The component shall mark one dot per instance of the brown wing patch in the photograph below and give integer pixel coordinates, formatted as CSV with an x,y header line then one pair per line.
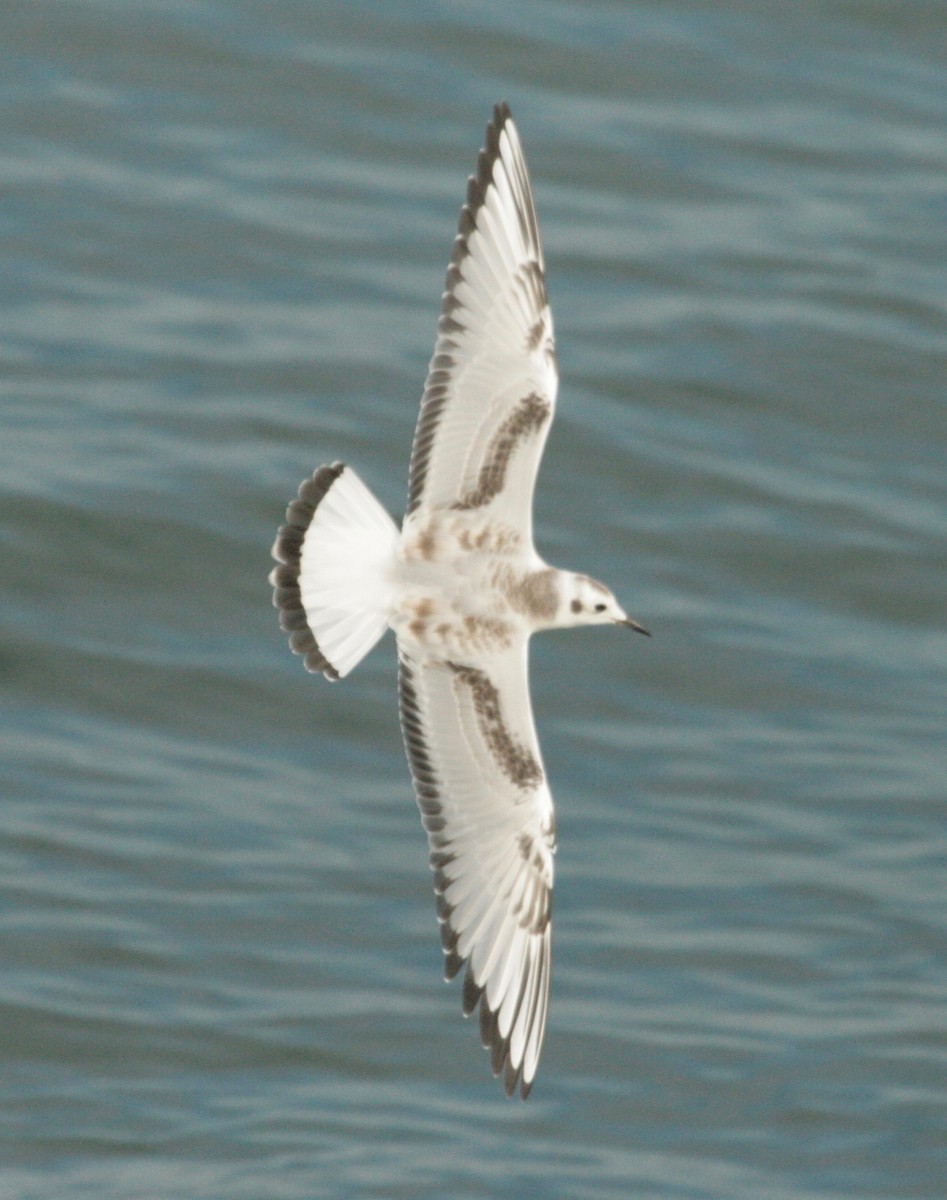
x,y
515,760
442,365
524,421
529,279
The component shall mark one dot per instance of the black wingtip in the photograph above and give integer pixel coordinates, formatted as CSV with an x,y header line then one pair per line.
x,y
471,992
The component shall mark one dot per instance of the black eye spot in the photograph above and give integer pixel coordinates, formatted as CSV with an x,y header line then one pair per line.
x,y
576,606
600,608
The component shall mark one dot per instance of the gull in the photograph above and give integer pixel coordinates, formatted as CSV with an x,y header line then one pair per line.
x,y
463,588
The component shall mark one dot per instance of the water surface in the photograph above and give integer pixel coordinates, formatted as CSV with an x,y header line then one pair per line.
x,y
225,231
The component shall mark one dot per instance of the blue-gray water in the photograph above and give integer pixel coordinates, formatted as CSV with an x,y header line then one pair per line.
x,y
224,234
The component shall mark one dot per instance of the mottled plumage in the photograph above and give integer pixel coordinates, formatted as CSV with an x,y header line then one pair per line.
x,y
463,588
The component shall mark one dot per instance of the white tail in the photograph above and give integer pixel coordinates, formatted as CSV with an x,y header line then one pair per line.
x,y
333,585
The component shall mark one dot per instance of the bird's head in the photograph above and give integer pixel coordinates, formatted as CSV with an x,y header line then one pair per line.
x,y
588,602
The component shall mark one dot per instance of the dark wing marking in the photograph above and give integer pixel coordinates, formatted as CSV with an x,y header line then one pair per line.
x,y
513,758
491,387
526,420
484,802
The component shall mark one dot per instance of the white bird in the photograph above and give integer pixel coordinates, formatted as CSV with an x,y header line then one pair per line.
x,y
463,587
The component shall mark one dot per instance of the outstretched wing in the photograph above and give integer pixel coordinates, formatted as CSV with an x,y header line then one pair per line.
x,y
481,788
491,386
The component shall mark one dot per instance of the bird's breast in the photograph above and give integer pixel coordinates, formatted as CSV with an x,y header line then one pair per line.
x,y
468,587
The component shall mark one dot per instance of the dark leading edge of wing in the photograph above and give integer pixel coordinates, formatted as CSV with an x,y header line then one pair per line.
x,y
438,385
520,946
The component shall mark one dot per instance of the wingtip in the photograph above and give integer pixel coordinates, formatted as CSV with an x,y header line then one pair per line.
x,y
472,992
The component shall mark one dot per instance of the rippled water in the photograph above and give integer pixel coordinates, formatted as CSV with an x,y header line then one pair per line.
x,y
225,231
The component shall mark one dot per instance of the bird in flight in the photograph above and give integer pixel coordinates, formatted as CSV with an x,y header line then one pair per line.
x,y
463,587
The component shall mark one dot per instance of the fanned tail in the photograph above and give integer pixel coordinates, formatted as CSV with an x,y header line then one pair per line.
x,y
333,582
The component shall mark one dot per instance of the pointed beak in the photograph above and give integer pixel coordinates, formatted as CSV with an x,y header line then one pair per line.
x,y
635,626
